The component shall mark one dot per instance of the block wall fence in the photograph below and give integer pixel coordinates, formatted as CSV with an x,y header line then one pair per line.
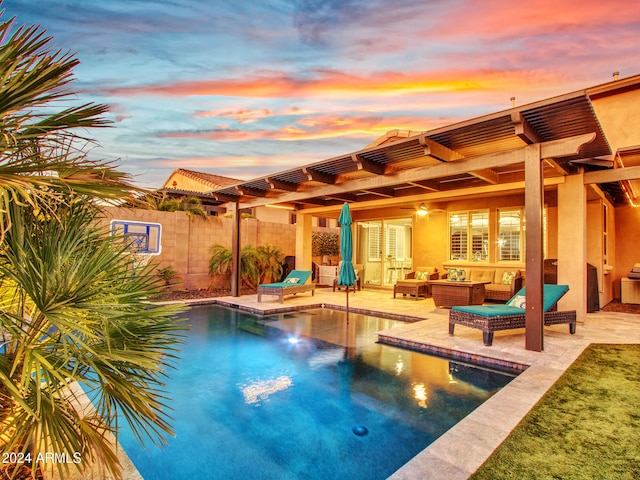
x,y
186,240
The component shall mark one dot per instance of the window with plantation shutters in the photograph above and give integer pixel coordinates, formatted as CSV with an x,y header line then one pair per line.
x,y
394,242
469,236
458,236
375,242
510,235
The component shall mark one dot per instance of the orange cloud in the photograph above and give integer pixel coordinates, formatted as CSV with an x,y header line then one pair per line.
x,y
328,82
241,167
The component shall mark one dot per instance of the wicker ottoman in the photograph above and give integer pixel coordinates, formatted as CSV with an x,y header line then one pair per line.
x,y
413,287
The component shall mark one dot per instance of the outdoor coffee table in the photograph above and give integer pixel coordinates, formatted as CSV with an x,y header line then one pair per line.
x,y
447,293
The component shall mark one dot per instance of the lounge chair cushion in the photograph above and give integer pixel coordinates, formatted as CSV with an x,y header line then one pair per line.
x,y
551,294
275,285
295,278
490,310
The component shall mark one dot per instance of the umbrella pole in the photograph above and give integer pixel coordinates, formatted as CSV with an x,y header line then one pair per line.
x,y
347,289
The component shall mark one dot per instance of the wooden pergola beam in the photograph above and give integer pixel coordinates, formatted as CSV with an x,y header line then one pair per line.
x,y
488,175
556,148
431,185
367,165
316,176
612,175
280,185
556,166
386,192
524,129
437,151
250,192
344,196
223,197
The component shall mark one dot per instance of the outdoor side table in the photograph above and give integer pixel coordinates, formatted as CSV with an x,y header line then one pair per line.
x,y
447,293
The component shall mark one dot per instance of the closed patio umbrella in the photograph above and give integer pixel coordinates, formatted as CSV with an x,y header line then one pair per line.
x,y
346,275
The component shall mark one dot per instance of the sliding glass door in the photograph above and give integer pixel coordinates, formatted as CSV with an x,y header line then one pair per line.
x,y
384,250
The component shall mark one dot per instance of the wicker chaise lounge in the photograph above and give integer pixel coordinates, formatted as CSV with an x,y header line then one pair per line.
x,y
491,318
295,282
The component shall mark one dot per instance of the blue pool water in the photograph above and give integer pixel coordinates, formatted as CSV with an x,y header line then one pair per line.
x,y
304,396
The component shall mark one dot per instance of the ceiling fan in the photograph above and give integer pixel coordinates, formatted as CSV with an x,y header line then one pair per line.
x,y
422,210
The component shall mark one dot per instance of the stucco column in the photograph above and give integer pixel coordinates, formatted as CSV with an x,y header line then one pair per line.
x,y
572,244
303,241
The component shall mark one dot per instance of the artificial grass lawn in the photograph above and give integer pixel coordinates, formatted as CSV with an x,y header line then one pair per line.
x,y
587,426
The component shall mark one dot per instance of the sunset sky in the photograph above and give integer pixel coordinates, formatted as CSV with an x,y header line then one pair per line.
x,y
245,88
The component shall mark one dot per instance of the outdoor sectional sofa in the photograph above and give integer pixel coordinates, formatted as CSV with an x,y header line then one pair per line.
x,y
294,283
491,318
504,282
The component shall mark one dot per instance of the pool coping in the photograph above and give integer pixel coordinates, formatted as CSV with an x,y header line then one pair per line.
x,y
297,308
452,354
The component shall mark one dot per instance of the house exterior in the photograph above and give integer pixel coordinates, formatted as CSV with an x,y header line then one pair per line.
x,y
549,185
185,182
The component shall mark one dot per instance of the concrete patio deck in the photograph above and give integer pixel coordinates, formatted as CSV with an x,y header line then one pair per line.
x,y
461,450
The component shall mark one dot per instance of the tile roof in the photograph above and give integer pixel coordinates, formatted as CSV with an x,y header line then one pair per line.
x,y
209,179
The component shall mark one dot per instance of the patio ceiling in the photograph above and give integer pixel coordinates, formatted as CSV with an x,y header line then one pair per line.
x,y
357,177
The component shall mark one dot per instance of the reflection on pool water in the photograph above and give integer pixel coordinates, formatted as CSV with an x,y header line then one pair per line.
x,y
304,395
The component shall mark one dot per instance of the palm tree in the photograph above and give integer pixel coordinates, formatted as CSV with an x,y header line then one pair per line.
x,y
70,307
154,201
270,263
72,310
220,263
44,149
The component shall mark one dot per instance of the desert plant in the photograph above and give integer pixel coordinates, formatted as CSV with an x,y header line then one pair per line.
x,y
221,259
270,263
168,275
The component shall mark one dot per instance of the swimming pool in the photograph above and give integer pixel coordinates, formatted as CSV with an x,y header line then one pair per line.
x,y
304,395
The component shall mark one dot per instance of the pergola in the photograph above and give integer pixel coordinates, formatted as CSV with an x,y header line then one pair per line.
x,y
558,141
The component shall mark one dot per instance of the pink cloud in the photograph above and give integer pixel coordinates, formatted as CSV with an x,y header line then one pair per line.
x,y
505,18
240,115
314,128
